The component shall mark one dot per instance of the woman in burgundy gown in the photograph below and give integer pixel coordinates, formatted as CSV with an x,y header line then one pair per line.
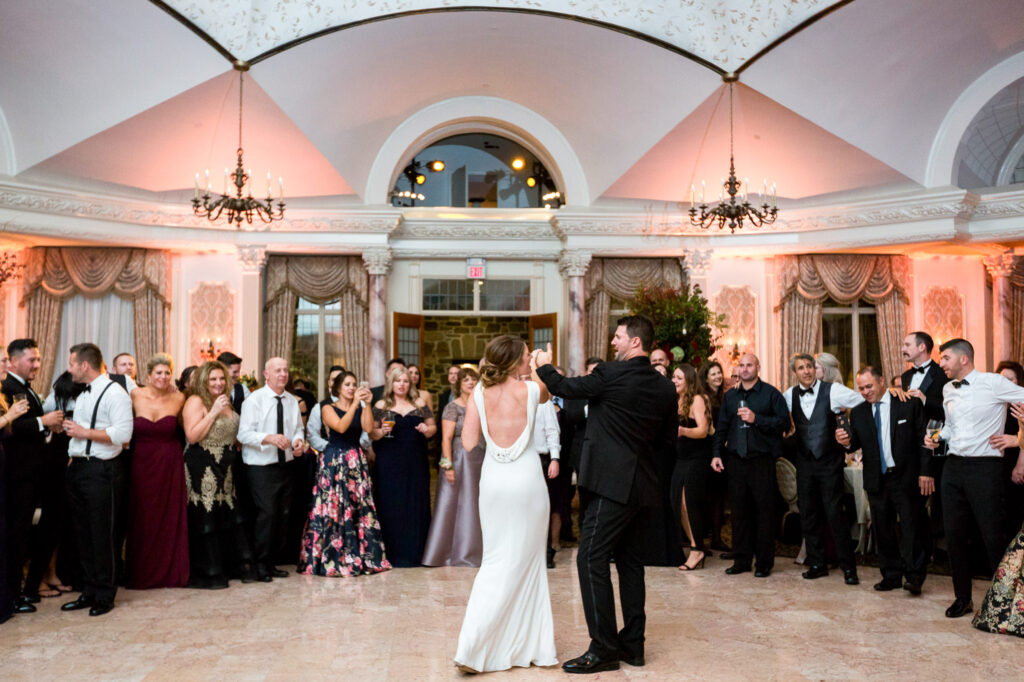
x,y
157,547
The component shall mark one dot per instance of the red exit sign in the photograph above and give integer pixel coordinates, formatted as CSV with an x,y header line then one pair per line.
x,y
476,268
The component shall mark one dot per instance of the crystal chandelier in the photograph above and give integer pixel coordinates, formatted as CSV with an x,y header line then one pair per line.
x,y
732,211
238,208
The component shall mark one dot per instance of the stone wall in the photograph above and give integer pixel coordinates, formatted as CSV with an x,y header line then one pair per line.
x,y
461,339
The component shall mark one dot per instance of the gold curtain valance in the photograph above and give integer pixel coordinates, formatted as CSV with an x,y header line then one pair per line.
x,y
63,272
316,278
844,278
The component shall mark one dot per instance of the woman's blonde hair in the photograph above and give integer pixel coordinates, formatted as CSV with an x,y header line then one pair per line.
x,y
830,367
199,381
502,356
157,360
389,387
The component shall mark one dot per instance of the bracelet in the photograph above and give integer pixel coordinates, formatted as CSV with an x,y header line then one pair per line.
x,y
445,464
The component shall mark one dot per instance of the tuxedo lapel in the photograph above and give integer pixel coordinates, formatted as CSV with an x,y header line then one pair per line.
x,y
927,381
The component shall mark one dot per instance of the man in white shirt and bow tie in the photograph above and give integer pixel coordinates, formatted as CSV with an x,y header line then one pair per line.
x,y
270,431
972,488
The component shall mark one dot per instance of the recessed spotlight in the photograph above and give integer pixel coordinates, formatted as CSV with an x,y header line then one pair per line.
x,y
518,163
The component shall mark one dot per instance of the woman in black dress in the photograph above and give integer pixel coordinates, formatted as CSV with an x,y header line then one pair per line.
x,y
712,385
693,462
402,424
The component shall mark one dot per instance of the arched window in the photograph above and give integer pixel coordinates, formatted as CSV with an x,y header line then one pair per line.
x,y
476,170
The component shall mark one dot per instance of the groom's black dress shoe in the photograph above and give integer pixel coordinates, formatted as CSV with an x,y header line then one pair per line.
x,y
635,660
589,663
82,602
815,572
736,569
959,608
101,607
22,605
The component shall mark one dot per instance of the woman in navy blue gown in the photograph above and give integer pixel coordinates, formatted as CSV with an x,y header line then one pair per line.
x,y
403,423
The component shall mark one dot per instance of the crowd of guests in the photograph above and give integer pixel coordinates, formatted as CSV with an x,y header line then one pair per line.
x,y
153,482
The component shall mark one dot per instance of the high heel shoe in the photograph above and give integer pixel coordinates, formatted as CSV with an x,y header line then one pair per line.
x,y
697,566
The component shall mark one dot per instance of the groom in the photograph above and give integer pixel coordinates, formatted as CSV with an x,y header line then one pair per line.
x,y
632,416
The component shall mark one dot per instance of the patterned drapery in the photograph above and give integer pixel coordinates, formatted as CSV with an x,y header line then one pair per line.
x,y
1017,309
609,278
805,281
54,274
319,279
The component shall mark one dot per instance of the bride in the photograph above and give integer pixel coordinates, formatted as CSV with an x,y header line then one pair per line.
x,y
508,617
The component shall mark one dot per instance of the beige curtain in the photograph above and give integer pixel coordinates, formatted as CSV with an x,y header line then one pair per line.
x,y
1017,309
805,281
609,278
54,274
319,279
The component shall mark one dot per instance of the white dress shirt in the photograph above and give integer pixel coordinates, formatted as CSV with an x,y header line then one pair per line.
x,y
313,425
840,397
976,411
918,377
259,419
114,416
546,432
883,412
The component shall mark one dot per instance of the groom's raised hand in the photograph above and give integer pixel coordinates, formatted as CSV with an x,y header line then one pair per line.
x,y
542,357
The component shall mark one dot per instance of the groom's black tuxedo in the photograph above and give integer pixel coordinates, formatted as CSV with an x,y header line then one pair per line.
x,y
631,417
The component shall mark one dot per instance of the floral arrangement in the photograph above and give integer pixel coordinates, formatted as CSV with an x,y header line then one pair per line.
x,y
684,325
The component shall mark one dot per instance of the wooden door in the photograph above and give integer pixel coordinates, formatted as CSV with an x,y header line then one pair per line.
x,y
544,330
408,336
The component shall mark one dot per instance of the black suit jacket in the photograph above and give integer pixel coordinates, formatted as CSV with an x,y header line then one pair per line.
x,y
573,422
443,398
26,443
906,430
934,379
632,420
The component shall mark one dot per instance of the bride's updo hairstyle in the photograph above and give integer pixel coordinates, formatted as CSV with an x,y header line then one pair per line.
x,y
503,356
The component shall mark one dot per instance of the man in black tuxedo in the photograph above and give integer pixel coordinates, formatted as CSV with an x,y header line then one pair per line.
x,y
24,450
631,417
889,433
239,391
748,440
378,391
925,381
452,392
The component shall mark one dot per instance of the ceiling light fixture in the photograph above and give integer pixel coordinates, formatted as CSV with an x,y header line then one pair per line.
x,y
437,166
518,163
730,211
238,208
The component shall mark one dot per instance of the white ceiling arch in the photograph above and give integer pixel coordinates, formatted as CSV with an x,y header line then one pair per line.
x,y
478,114
8,163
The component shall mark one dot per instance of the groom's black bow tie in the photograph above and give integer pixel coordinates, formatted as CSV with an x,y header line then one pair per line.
x,y
922,369
958,384
804,391
87,389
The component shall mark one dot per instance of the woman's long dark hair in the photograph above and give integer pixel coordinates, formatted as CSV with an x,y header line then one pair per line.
x,y
65,390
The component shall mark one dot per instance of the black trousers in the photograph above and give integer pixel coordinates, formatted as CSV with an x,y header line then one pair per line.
x,y
612,530
819,484
20,481
903,548
271,489
752,490
94,495
972,491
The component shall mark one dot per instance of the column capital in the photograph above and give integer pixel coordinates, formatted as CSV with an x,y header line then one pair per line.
x,y
1000,265
377,261
574,263
252,257
697,261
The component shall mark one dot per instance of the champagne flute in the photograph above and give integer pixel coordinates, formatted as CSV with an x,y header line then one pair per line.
x,y
933,429
743,424
389,421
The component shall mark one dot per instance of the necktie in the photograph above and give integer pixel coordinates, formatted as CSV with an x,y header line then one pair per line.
x,y
878,433
280,427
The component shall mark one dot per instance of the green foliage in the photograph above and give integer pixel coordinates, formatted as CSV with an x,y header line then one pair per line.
x,y
684,325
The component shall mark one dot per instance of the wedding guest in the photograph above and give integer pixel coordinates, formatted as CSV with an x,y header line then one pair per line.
x,y
24,448
712,384
184,381
814,404
217,545
9,596
560,488
748,440
316,431
972,490
659,358
827,368
300,388
156,553
402,488
239,389
451,392
124,364
889,433
693,462
417,381
454,538
342,535
102,424
1012,457
378,391
303,472
271,433
54,558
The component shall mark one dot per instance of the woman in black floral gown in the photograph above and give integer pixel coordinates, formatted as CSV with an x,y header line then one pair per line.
x,y
342,536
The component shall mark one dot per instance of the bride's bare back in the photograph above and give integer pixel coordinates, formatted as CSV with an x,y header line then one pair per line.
x,y
506,411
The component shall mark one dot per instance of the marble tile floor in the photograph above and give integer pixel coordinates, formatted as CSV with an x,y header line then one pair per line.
x,y
404,625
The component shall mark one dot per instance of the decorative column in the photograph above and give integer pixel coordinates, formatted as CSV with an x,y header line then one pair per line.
x,y
1000,268
573,266
378,263
252,258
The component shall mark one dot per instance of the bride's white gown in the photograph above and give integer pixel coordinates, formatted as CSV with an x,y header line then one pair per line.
x,y
508,617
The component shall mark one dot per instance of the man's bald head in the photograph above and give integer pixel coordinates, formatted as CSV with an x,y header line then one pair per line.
x,y
275,372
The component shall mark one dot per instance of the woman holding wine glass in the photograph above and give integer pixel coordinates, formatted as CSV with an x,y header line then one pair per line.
x,y
402,488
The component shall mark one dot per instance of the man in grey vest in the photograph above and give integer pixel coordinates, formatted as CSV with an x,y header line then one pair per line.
x,y
813,406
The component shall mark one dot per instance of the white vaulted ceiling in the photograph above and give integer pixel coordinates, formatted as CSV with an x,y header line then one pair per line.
x,y
121,97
